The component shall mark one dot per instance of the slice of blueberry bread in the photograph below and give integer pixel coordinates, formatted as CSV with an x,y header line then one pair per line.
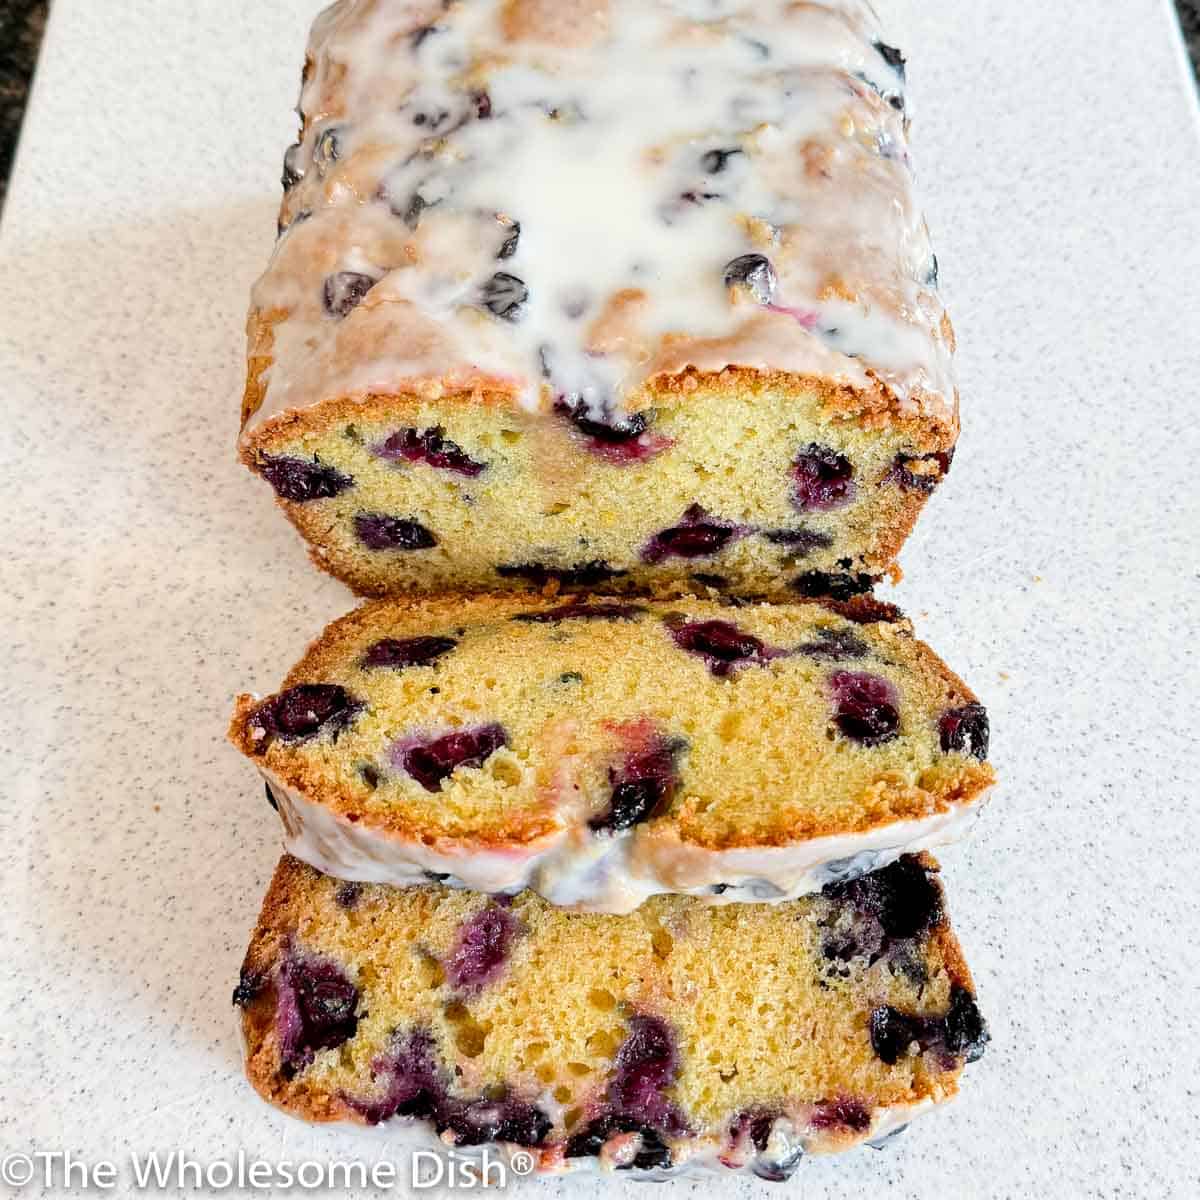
x,y
602,751
743,1036
603,291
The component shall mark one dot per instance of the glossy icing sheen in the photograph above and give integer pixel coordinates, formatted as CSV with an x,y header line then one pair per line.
x,y
608,160
612,873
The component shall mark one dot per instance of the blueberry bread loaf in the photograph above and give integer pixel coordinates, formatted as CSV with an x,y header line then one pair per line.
x,y
742,1037
602,292
601,751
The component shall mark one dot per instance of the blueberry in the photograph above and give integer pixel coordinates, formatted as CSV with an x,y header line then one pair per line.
x,y
902,472
892,57
616,432
249,988
480,1121
317,1006
965,730
715,161
589,1142
293,172
429,446
799,541
644,1068
841,1114
696,536
966,1031
641,787
348,894
398,653
512,239
834,645
754,273
960,1033
891,1033
303,712
834,586
903,897
582,612
822,479
431,762
300,481
344,292
504,296
579,575
865,707
721,644
481,948
413,1082
377,531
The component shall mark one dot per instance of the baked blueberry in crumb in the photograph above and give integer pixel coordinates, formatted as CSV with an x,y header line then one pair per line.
x,y
431,762
775,1165
822,479
411,1082
316,1010
504,296
429,446
844,1113
961,1032
818,585
249,987
620,442
579,575
303,712
481,948
300,481
834,645
641,787
348,894
377,531
722,645
601,611
799,541
653,1153
965,730
754,273
920,473
475,1122
644,1068
902,897
398,653
698,535
865,707
344,292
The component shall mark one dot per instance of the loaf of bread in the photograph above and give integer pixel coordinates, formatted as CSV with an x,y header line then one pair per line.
x,y
602,751
682,1035
619,293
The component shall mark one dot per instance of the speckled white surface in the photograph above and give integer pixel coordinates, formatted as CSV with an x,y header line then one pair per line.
x,y
147,577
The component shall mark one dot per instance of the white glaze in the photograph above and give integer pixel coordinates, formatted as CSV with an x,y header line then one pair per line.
x,y
608,872
625,276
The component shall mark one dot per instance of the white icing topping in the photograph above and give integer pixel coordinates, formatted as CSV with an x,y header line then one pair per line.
x,y
607,872
641,146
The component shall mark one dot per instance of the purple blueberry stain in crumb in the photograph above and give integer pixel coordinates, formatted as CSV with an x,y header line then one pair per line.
x,y
834,645
698,535
843,1113
298,480
600,611
919,473
960,1033
822,479
644,1068
799,542
431,761
776,1155
411,1083
504,296
316,1010
755,274
965,730
642,786
303,712
481,948
429,446
866,707
722,645
378,531
344,291
398,653
820,585
620,442
583,574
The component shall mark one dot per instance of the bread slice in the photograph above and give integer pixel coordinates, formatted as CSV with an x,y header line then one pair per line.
x,y
599,752
741,1036
625,292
